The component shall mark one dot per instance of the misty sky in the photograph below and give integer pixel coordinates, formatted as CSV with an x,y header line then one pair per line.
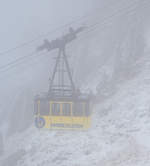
x,y
23,20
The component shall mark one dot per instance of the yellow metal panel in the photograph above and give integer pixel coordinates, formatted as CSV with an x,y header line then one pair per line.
x,y
47,121
65,122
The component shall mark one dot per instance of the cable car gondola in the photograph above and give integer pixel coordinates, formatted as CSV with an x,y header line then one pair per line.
x,y
63,106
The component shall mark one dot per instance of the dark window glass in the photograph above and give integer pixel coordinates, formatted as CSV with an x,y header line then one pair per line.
x,y
66,109
56,109
78,109
36,107
44,108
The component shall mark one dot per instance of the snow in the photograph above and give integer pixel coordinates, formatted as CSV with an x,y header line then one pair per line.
x,y
119,135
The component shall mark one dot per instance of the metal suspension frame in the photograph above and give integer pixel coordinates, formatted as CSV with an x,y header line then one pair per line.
x,y
61,71
60,44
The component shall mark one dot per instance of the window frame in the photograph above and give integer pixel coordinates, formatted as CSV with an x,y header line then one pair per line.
x,y
61,108
70,109
51,108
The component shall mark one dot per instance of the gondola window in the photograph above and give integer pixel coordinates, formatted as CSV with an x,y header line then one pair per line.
x,y
56,109
66,109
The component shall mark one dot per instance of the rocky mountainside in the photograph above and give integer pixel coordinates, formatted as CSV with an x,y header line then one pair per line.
x,y
119,135
113,60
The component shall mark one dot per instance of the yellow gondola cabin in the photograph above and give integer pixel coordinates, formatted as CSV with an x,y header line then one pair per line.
x,y
63,106
62,114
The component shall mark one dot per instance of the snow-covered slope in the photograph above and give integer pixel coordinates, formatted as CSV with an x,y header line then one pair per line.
x,y
119,135
120,131
111,43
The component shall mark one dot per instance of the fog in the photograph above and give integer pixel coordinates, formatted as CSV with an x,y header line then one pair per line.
x,y
22,22
108,59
